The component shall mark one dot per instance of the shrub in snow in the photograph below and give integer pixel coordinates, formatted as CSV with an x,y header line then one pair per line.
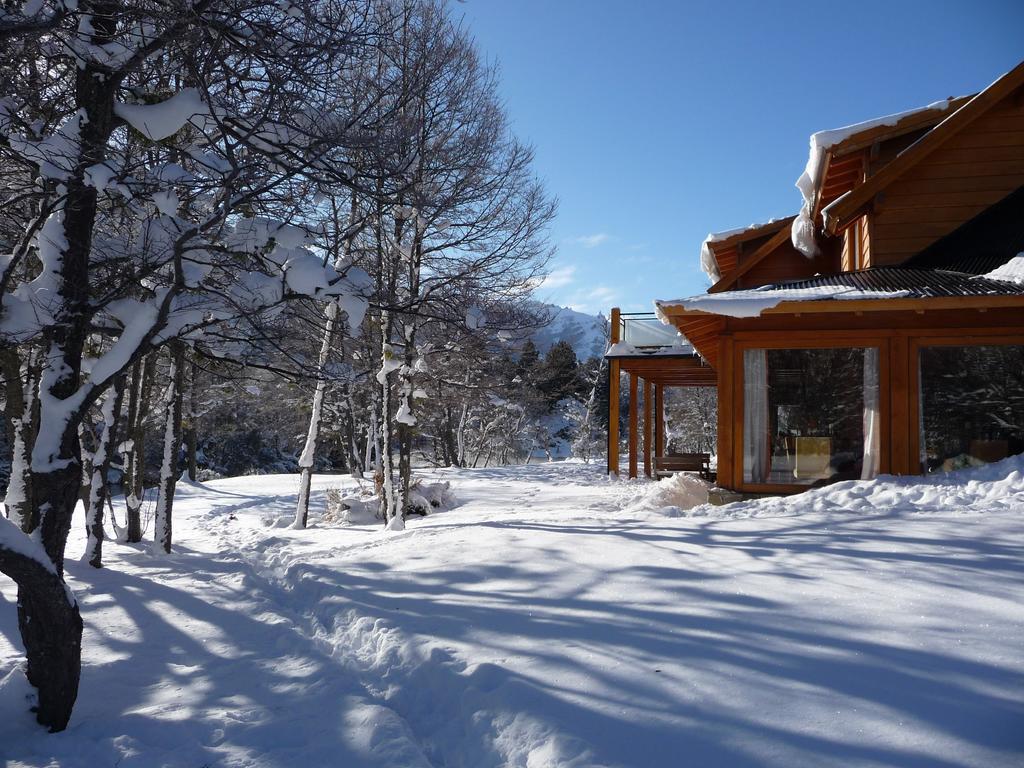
x,y
345,508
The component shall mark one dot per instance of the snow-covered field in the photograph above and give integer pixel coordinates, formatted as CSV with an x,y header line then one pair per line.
x,y
554,618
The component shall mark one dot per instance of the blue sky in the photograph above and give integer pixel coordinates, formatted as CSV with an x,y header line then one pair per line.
x,y
657,121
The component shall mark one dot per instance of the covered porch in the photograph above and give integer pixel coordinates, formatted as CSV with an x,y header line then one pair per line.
x,y
654,357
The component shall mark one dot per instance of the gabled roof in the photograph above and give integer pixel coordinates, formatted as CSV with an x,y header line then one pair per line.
x,y
838,214
766,248
716,244
835,163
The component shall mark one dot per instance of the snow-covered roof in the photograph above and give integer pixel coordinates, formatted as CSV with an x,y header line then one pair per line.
x,y
824,141
708,262
752,302
876,283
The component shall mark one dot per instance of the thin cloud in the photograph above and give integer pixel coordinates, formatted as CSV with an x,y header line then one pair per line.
x,y
591,241
600,298
558,278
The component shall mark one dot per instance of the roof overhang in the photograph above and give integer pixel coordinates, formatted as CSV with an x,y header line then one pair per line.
x,y
823,306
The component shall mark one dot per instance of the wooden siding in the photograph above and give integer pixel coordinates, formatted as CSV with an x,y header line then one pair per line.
x,y
787,263
856,247
972,171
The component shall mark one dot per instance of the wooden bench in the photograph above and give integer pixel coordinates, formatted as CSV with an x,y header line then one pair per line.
x,y
683,462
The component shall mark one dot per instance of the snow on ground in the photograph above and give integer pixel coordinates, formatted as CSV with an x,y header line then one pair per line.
x,y
554,618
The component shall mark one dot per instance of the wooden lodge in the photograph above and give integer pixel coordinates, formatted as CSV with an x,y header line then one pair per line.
x,y
880,330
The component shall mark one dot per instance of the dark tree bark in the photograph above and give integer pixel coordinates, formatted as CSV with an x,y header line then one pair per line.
x,y
22,414
142,382
51,628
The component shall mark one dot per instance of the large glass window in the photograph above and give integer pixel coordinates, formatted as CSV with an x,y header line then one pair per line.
x,y
811,416
972,405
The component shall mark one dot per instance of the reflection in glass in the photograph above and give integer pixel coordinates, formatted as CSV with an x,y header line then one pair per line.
x,y
972,405
811,416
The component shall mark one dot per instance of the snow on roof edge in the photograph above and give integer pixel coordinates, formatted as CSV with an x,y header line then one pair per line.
x,y
708,262
752,302
820,142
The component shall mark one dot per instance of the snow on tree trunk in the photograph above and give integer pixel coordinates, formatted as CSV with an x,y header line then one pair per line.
x,y
172,447
390,510
98,489
460,435
21,408
369,460
134,460
308,456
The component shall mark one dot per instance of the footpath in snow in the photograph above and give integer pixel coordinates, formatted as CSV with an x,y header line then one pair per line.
x,y
553,618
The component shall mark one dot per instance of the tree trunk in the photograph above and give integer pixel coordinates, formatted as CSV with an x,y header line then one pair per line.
x,y
172,447
50,625
390,510
98,488
190,426
308,456
135,459
22,413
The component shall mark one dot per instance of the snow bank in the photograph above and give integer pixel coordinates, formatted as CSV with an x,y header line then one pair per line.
x,y
754,301
989,488
671,496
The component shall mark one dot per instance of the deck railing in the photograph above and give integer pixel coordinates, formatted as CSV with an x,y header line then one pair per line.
x,y
645,330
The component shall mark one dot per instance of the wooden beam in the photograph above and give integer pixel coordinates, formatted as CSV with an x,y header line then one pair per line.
x,y
613,417
613,400
648,425
840,213
632,424
659,420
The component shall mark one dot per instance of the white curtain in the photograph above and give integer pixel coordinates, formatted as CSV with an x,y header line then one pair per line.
x,y
872,415
755,416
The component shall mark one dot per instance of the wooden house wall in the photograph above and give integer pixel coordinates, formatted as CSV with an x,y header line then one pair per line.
x,y
972,171
787,263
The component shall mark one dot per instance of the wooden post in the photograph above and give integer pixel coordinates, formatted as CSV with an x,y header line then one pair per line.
x,y
659,422
613,399
903,405
726,419
632,424
648,425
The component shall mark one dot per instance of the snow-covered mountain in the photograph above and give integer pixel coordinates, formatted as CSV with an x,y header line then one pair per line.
x,y
586,333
